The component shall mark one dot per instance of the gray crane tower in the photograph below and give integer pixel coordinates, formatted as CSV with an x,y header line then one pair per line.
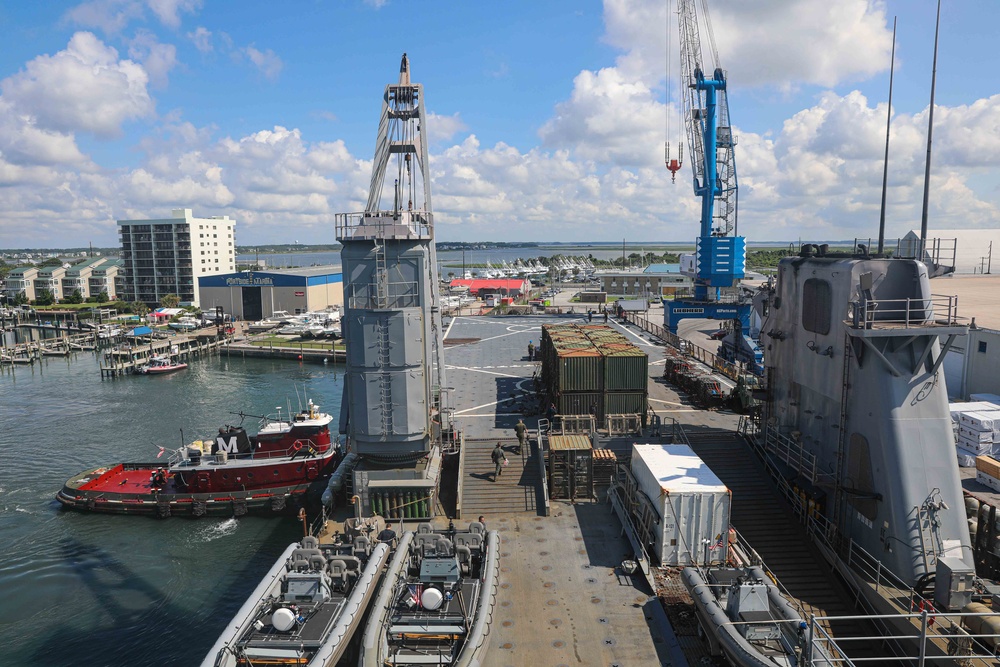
x,y
394,410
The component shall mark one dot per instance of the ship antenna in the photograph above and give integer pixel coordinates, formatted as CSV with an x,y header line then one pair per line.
x,y
930,133
888,122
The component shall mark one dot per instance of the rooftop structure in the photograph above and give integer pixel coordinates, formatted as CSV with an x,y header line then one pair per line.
x,y
167,256
255,295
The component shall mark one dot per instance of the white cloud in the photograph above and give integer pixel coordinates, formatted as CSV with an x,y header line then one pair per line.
x,y
110,16
267,61
157,58
767,42
444,128
202,38
83,88
608,118
376,4
168,11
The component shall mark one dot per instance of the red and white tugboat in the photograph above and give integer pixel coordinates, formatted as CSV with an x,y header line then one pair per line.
x,y
231,476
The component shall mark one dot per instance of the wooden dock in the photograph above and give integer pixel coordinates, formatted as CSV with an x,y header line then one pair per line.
x,y
128,358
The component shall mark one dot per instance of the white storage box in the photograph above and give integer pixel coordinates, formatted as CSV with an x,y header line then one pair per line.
x,y
966,459
977,447
969,433
981,421
693,504
977,406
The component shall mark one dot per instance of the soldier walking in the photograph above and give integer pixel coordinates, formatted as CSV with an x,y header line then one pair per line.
x,y
531,350
521,430
498,458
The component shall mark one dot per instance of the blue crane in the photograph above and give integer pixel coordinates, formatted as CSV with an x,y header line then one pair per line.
x,y
719,260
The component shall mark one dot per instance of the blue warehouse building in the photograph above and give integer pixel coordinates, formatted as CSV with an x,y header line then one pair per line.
x,y
255,295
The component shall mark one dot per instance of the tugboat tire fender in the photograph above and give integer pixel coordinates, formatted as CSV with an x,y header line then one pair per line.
x,y
239,507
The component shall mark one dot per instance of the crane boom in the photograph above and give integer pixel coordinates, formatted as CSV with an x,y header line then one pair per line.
x,y
720,256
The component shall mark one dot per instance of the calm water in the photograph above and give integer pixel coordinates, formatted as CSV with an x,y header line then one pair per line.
x,y
81,589
451,260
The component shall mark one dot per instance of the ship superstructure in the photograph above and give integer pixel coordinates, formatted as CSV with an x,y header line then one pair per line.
x,y
394,410
858,405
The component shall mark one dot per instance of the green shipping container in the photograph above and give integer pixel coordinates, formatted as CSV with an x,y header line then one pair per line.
x,y
625,403
579,403
581,370
625,369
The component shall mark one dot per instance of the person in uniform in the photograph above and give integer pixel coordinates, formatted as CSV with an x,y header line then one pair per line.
x,y
497,456
521,431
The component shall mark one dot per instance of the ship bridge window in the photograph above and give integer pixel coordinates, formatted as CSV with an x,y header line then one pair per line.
x,y
860,483
817,306
982,346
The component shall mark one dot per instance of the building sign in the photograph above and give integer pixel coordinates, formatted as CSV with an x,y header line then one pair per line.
x,y
249,281
688,311
300,294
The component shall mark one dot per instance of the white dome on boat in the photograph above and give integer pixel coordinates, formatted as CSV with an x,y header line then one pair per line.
x,y
283,620
431,599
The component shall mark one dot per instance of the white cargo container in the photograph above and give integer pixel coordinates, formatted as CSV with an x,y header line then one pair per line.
x,y
980,421
978,406
693,504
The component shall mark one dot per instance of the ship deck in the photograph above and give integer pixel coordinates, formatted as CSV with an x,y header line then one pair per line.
x,y
563,598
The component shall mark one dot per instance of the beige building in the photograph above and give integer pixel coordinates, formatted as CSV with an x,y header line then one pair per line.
x,y
21,280
255,295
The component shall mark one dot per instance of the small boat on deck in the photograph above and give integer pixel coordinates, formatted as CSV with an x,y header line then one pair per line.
x,y
435,604
309,605
229,476
746,619
161,365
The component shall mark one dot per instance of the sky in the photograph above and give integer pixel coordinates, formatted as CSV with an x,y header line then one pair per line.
x,y
547,120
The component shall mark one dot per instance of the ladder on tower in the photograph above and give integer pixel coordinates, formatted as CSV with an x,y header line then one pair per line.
x,y
381,275
384,377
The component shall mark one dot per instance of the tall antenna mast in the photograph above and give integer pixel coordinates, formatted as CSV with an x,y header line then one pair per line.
x,y
930,133
885,162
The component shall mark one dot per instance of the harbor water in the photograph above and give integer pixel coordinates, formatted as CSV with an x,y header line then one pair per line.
x,y
91,589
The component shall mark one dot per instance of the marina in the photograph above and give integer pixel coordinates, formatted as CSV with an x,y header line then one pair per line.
x,y
363,463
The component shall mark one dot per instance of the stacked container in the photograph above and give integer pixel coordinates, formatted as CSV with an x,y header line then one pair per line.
x,y
592,369
977,430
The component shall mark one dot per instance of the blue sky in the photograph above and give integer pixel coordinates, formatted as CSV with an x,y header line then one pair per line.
x,y
548,117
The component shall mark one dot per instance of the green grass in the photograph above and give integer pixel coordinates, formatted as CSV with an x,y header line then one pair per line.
x,y
74,306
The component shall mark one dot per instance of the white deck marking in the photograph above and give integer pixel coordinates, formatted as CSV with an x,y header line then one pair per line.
x,y
483,340
641,340
480,370
450,325
486,405
658,400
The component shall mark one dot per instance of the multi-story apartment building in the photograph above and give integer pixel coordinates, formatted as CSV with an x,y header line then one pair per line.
x,y
78,277
21,280
161,257
102,278
50,278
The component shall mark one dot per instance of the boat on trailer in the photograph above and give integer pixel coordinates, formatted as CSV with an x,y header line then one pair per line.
x,y
435,604
229,476
309,605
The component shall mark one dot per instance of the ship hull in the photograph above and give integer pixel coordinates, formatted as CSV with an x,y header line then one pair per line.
x,y
126,489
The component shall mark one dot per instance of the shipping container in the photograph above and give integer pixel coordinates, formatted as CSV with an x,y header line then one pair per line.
x,y
693,504
625,403
625,368
580,403
579,370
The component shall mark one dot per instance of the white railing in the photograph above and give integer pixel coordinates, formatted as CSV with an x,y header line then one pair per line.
x,y
906,313
384,225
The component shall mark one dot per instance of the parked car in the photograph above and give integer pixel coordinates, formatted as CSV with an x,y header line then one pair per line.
x,y
719,335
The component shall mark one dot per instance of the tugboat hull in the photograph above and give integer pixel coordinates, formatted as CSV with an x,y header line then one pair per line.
x,y
276,500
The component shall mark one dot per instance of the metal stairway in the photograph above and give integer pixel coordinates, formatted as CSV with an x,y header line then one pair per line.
x,y
516,490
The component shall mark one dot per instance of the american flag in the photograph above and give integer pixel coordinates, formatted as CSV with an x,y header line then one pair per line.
x,y
719,542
